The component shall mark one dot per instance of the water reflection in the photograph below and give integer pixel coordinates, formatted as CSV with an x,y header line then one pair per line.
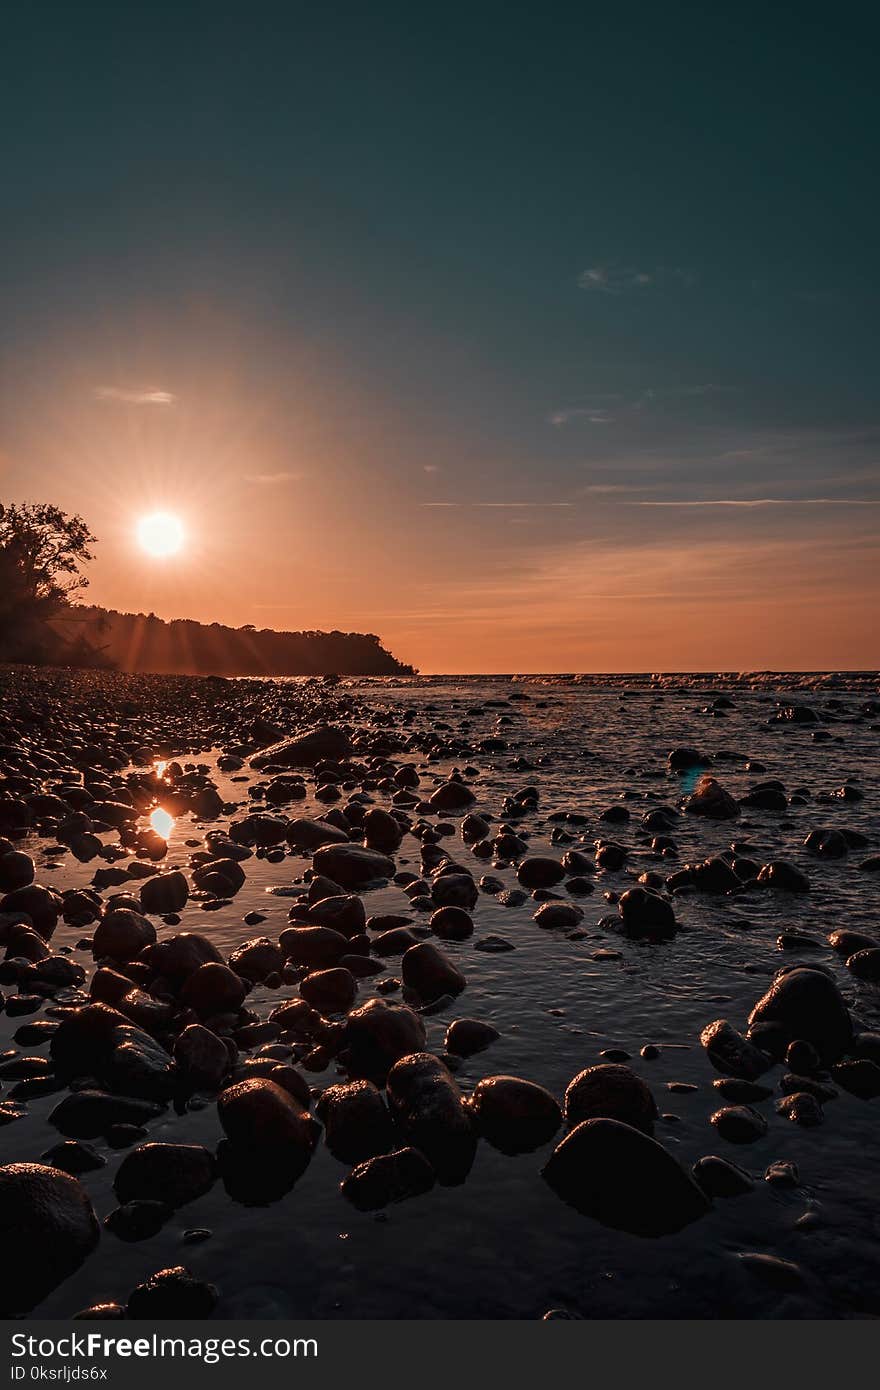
x,y
162,822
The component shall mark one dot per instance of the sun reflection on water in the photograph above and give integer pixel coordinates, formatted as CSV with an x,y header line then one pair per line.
x,y
162,822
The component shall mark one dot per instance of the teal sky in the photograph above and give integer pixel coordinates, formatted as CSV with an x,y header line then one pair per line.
x,y
530,337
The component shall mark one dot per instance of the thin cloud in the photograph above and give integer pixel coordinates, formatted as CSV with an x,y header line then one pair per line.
x,y
595,417
616,279
271,479
510,505
430,468
131,397
768,502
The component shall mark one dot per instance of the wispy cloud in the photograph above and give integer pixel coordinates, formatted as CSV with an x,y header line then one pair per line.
x,y
272,479
430,468
617,279
594,415
506,505
127,396
767,502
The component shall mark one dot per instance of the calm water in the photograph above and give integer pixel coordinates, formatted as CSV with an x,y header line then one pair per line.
x,y
503,1245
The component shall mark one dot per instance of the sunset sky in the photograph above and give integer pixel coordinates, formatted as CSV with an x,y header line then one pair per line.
x,y
528,337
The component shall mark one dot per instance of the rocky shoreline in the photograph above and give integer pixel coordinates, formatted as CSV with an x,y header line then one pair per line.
x,y
327,1026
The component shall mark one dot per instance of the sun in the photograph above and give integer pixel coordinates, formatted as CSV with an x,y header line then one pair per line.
x,y
160,534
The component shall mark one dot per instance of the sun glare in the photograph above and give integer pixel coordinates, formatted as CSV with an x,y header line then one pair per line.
x,y
160,534
162,822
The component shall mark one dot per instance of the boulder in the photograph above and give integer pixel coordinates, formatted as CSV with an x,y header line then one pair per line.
x,y
357,1125
429,1107
325,742
121,935
514,1115
806,1003
430,973
171,1173
172,1294
376,1035
47,1228
388,1178
710,799
258,1114
612,1091
164,893
352,866
731,1053
645,914
624,1179
540,871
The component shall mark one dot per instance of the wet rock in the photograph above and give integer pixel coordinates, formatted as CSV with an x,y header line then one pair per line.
x,y
515,1116
257,958
718,1178
377,1035
16,870
430,973
134,1221
357,1125
307,834
179,956
803,1058
258,1114
41,905
739,1124
164,893
454,890
539,871
686,759
324,742
74,1157
782,1173
382,830
806,1003
865,964
429,1107
47,1228
332,991
452,797
559,915
171,1173
783,877
801,1108
731,1053
352,866
710,799
388,1178
791,1083
860,1077
84,1040
494,944
610,1091
624,1179
89,1114
846,943
342,912
314,946
213,989
202,1058
394,942
452,923
137,1065
779,1274
121,935
173,1294
467,1036
645,914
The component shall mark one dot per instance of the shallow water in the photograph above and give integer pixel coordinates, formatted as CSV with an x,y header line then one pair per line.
x,y
502,1244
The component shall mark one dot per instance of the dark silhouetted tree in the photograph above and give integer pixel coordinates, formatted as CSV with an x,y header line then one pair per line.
x,y
42,550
